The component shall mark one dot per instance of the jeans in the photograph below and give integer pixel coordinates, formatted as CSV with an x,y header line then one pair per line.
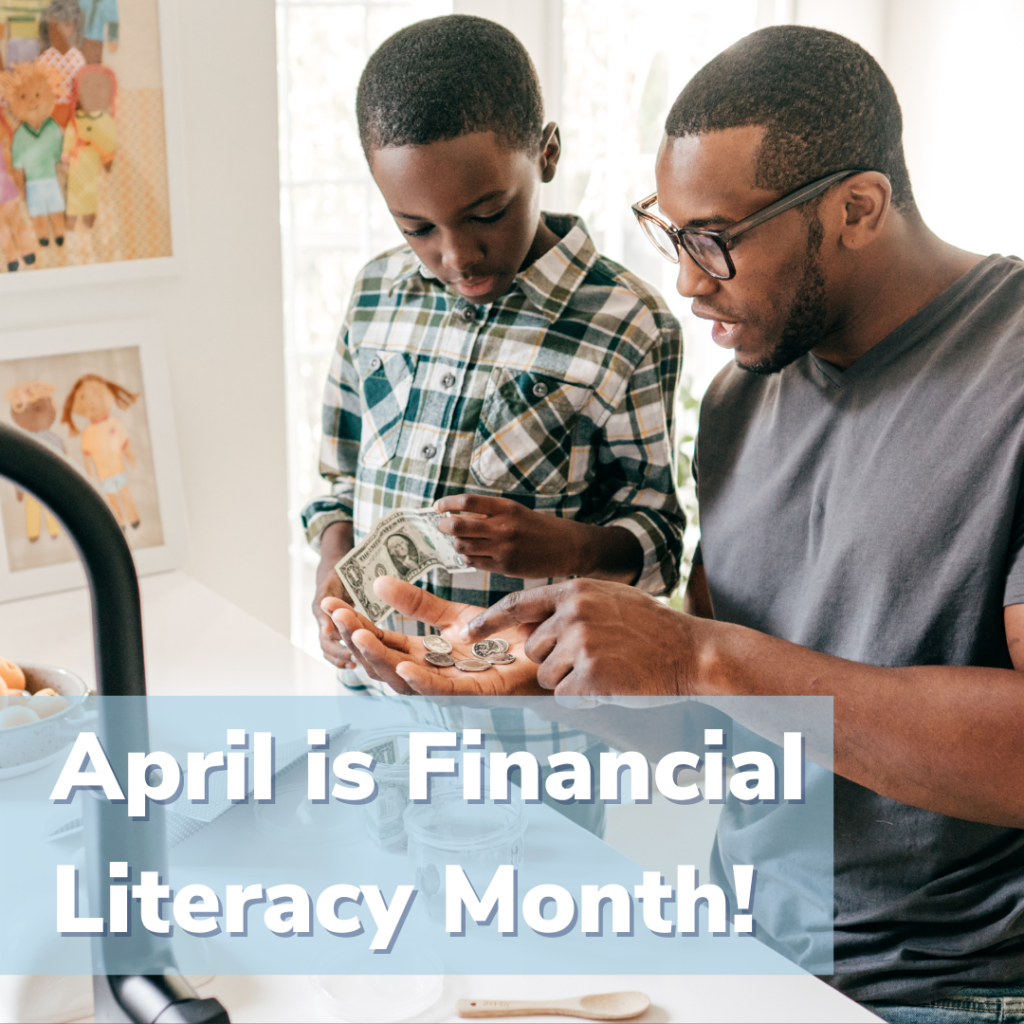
x,y
999,1005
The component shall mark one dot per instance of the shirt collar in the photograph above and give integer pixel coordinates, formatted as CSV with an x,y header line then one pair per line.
x,y
548,283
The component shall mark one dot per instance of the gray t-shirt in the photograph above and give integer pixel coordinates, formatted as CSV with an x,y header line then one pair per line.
x,y
877,514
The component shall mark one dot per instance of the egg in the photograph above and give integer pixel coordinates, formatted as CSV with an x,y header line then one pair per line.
x,y
44,706
12,716
49,691
12,676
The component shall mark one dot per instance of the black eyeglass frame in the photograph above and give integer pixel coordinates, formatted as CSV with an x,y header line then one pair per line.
x,y
725,237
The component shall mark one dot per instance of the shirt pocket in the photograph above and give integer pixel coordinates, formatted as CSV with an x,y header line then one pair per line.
x,y
524,439
386,385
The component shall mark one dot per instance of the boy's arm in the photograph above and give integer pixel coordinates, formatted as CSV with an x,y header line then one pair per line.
x,y
635,537
327,520
636,485
500,535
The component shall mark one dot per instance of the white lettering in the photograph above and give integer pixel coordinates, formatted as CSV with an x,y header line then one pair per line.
x,y
575,784
196,899
87,748
387,919
460,896
139,789
612,765
353,768
422,765
67,904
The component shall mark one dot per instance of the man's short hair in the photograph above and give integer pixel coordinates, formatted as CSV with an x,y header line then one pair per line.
x,y
824,100
447,76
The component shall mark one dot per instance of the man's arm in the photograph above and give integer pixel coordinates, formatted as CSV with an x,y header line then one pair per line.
x,y
697,599
942,738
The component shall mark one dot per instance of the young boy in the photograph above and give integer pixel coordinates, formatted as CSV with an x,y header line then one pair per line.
x,y
496,364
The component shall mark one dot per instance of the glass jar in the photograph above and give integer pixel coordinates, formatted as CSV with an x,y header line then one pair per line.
x,y
479,837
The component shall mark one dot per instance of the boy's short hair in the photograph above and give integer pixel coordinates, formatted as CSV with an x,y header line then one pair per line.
x,y
444,77
824,101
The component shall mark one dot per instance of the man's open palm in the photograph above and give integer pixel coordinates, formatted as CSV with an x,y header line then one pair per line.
x,y
400,660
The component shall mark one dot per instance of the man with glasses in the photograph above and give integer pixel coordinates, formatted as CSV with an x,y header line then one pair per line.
x,y
860,472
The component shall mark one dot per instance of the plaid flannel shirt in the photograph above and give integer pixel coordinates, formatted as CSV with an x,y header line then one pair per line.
x,y
559,394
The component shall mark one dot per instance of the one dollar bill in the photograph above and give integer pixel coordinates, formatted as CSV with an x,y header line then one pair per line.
x,y
405,544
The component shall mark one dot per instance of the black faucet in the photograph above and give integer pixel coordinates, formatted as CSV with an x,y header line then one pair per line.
x,y
165,998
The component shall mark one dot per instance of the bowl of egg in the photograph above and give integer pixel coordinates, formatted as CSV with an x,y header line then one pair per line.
x,y
41,713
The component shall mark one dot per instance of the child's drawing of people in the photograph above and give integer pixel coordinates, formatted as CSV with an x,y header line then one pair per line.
x,y
105,443
15,237
101,22
89,140
62,28
33,410
30,91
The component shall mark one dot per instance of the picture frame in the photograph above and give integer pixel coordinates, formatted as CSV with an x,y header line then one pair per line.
x,y
100,392
161,18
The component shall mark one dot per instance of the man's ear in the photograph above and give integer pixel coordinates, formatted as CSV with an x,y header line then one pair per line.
x,y
551,150
866,199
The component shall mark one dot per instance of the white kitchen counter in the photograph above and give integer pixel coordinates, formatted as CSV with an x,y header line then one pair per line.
x,y
198,643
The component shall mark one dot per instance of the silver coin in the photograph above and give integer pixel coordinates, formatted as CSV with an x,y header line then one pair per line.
x,y
440,659
485,648
501,659
502,645
472,665
437,644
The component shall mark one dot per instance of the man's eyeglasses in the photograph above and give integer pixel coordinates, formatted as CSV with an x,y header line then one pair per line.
x,y
710,249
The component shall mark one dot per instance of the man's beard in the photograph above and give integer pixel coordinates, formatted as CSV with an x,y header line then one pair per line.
x,y
805,322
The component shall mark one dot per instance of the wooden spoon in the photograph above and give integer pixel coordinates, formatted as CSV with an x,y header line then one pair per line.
x,y
607,1006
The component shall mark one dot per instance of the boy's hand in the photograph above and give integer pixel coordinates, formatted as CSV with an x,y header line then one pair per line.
x,y
500,535
335,543
401,660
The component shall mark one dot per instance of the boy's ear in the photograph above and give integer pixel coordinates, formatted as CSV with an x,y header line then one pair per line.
x,y
551,150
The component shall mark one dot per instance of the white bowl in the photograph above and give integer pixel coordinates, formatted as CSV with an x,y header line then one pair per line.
x,y
24,748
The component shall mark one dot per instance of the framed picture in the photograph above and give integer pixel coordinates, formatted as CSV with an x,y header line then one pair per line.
x,y
85,181
98,395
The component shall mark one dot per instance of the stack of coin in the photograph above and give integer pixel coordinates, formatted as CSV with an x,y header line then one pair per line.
x,y
438,651
486,653
494,652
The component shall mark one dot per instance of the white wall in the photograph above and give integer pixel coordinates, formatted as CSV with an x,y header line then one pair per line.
x,y
221,308
865,21
955,67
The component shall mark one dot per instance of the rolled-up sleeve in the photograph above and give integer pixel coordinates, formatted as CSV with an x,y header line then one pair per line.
x,y
636,461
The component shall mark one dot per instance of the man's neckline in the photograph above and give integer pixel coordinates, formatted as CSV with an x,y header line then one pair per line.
x,y
906,334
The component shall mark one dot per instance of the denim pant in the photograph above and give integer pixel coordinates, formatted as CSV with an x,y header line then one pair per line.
x,y
1001,1005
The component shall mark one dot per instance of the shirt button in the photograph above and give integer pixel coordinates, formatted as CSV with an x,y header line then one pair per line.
x,y
540,389
429,451
375,363
447,380
469,313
